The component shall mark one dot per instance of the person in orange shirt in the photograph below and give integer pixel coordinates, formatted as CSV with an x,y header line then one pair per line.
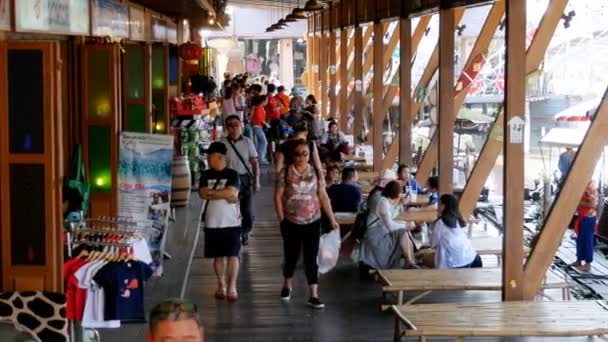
x,y
258,122
283,100
585,227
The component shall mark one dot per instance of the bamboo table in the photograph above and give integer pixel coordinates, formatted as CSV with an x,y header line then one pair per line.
x,y
357,159
505,319
421,216
468,279
368,176
492,246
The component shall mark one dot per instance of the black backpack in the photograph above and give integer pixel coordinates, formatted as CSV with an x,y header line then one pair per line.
x,y
360,226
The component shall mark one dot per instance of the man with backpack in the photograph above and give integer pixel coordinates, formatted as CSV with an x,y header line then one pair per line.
x,y
243,158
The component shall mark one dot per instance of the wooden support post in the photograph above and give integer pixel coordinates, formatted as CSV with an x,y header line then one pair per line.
x,y
493,145
343,93
556,223
378,114
358,90
309,58
515,106
323,67
391,92
446,100
481,46
405,84
332,62
316,59
367,35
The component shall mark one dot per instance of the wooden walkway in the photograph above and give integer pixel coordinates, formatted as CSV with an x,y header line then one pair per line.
x,y
352,310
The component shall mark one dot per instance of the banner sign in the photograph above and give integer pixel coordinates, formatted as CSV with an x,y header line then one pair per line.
x,y
144,186
159,30
5,15
110,19
137,18
52,16
171,33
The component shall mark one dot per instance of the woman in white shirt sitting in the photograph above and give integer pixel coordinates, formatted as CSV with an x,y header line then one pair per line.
x,y
387,240
453,248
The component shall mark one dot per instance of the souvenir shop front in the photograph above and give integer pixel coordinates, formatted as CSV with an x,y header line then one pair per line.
x,y
84,94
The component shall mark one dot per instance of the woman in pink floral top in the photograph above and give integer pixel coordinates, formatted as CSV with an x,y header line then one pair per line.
x,y
299,197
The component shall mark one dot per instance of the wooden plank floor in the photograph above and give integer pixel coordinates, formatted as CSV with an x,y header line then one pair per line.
x,y
353,306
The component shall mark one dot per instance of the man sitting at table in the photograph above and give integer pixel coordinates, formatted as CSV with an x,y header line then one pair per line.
x,y
346,196
432,186
407,179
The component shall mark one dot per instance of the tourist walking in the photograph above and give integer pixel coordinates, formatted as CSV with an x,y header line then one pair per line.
x,y
299,198
243,158
221,220
258,123
585,227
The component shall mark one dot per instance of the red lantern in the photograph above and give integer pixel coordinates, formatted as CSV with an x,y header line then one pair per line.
x,y
190,53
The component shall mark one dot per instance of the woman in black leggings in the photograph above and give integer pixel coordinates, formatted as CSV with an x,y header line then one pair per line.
x,y
299,197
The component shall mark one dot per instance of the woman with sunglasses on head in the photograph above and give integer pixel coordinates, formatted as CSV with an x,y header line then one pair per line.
x,y
299,197
453,249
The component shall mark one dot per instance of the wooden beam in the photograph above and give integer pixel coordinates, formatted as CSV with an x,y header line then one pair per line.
x,y
358,89
367,36
424,81
566,202
493,145
481,46
405,85
446,101
379,114
323,67
316,59
332,62
513,144
343,93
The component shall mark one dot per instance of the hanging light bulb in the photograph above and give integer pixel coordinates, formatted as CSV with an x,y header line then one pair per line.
x,y
312,6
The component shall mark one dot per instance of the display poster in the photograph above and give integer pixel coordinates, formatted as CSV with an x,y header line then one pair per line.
x,y
110,19
79,16
144,186
159,30
52,16
5,14
32,15
137,18
171,33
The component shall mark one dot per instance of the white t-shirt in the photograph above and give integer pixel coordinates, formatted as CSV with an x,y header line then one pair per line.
x,y
452,245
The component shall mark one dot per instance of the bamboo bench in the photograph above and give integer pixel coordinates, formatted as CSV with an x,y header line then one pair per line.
x,y
471,279
506,319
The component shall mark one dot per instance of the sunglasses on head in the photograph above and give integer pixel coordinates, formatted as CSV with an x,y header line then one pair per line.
x,y
170,307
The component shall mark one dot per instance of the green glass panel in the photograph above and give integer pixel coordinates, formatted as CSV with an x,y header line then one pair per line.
x,y
98,78
158,100
135,72
99,158
136,118
158,68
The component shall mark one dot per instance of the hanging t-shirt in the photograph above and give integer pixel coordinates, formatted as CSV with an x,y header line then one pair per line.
x,y
94,292
123,284
72,292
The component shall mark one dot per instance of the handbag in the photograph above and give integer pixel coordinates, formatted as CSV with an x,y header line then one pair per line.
x,y
77,181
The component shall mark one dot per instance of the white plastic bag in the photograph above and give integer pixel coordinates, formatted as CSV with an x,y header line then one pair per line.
x,y
329,251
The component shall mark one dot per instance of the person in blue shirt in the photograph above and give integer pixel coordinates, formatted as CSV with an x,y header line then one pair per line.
x,y
406,178
346,196
433,189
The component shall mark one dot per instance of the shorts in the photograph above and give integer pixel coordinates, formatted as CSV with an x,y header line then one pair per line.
x,y
222,242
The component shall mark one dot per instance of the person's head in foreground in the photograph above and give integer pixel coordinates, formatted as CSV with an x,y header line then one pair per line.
x,y
175,320
433,184
216,156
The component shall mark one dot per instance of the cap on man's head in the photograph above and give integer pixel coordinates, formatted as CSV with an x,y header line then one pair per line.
x,y
217,147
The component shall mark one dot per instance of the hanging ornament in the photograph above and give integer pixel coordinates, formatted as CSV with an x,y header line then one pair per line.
x,y
190,53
